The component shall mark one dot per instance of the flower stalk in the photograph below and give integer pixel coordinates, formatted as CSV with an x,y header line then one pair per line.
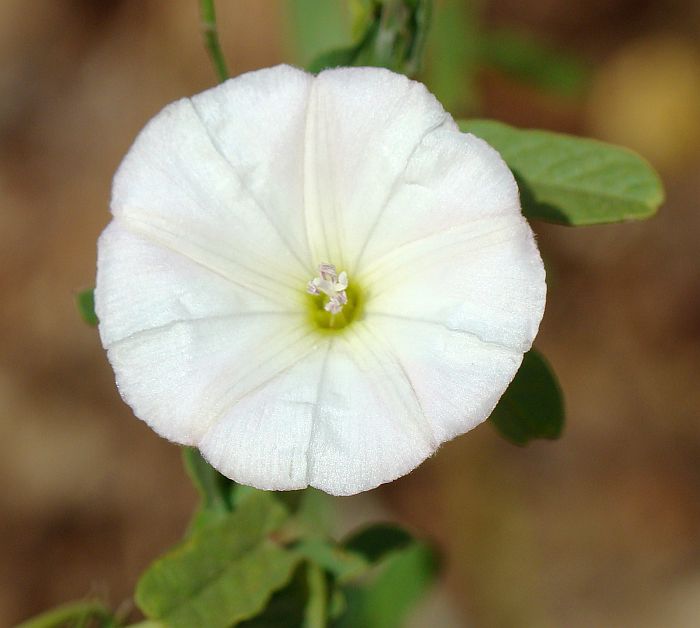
x,y
210,32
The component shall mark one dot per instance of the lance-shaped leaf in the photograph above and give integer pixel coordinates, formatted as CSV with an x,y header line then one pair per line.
x,y
532,406
570,180
224,573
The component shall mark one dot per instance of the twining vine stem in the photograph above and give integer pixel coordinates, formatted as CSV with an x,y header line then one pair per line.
x,y
210,33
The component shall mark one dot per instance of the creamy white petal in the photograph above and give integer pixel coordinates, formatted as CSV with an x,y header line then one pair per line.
x,y
363,125
262,439
178,187
454,248
142,285
258,123
451,180
183,377
456,377
343,419
369,427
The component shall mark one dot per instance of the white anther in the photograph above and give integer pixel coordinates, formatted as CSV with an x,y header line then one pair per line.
x,y
333,285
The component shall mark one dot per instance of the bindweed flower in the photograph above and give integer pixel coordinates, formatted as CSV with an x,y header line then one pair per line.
x,y
316,280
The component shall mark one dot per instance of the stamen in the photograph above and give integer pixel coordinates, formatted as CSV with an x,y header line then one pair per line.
x,y
332,285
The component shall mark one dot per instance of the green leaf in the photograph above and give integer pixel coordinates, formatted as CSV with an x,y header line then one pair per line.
x,y
85,302
71,615
387,601
287,607
570,180
224,573
523,57
378,540
532,406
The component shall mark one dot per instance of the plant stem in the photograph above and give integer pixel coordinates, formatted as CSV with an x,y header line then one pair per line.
x,y
211,38
76,611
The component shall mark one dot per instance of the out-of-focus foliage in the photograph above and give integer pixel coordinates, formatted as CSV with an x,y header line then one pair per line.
x,y
389,34
533,406
573,181
523,57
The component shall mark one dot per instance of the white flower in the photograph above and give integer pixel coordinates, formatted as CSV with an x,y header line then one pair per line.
x,y
315,279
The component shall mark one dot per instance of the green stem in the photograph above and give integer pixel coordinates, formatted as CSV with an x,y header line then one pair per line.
x,y
75,612
210,33
316,610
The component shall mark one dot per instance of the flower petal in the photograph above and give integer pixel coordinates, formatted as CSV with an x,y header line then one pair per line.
x,y
454,249
456,377
363,125
198,185
181,378
142,286
368,426
181,338
344,419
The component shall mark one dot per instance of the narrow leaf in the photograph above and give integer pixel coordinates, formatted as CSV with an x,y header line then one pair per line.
x,y
224,573
570,180
533,406
85,302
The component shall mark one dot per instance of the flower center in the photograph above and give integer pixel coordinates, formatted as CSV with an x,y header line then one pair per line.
x,y
334,302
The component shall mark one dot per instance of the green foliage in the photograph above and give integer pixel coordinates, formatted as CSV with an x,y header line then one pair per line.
x,y
389,598
224,573
81,614
525,58
374,542
533,406
85,302
342,564
215,490
452,55
392,35
570,180
314,27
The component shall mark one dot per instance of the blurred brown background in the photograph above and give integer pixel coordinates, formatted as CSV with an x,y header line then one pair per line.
x,y
599,529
